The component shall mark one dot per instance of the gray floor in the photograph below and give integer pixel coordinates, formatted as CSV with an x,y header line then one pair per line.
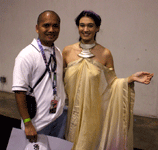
x,y
145,133
145,129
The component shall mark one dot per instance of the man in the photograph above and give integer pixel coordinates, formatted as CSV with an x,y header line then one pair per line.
x,y
30,64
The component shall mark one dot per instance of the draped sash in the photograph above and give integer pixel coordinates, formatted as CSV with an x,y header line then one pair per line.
x,y
100,112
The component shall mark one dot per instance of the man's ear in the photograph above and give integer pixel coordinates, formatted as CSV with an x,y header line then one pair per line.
x,y
37,28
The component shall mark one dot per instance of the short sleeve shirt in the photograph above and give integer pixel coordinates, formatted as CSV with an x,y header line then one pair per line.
x,y
29,67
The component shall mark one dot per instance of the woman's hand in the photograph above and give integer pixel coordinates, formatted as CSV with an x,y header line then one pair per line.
x,y
141,77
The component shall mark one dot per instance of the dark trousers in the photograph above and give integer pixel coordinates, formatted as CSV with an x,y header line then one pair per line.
x,y
57,127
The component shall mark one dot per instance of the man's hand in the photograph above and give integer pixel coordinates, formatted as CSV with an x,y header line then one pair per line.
x,y
30,132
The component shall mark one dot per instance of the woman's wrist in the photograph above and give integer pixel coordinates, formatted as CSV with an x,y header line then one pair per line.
x,y
131,78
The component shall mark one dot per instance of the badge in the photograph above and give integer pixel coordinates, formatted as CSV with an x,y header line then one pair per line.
x,y
53,105
36,147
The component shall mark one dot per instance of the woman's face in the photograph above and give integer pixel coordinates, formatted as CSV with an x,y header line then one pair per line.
x,y
87,30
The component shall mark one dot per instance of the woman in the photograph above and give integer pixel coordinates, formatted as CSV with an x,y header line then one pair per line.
x,y
100,109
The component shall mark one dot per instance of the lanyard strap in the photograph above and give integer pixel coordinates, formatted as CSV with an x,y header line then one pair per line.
x,y
54,84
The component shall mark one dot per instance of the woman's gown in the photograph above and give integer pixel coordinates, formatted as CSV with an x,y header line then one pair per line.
x,y
100,110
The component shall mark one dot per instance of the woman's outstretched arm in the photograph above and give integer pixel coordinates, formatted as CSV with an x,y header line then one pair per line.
x,y
141,77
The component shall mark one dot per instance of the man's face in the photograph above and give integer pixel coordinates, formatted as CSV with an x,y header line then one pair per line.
x,y
48,29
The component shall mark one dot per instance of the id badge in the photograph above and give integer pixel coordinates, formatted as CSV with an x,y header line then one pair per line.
x,y
53,104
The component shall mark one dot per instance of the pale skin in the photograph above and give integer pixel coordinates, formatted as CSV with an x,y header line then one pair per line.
x,y
48,30
87,30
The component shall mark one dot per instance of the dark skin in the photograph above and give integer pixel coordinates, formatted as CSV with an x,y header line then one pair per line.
x,y
30,131
48,29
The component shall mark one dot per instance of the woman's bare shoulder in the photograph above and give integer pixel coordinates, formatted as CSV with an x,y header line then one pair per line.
x,y
105,51
104,56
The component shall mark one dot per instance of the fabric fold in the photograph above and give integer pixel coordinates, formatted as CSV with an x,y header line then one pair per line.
x,y
100,108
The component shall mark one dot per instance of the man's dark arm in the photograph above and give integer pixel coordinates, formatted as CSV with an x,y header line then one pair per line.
x,y
30,131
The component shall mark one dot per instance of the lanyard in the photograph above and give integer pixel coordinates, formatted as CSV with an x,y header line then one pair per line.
x,y
54,84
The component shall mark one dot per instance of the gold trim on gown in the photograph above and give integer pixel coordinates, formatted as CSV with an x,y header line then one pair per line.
x,y
100,110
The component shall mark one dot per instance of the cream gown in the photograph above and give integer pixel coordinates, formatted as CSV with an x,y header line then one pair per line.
x,y
100,112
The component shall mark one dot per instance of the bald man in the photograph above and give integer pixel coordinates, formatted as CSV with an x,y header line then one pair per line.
x,y
30,64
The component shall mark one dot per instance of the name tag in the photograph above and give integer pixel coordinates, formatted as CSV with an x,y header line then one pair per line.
x,y
53,105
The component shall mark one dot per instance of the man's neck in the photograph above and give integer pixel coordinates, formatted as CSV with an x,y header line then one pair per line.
x,y
48,44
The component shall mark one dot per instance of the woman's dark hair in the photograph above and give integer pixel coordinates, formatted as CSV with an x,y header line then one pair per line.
x,y
91,14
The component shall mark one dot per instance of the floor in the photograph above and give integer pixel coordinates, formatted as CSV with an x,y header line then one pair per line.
x,y
145,133
145,129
